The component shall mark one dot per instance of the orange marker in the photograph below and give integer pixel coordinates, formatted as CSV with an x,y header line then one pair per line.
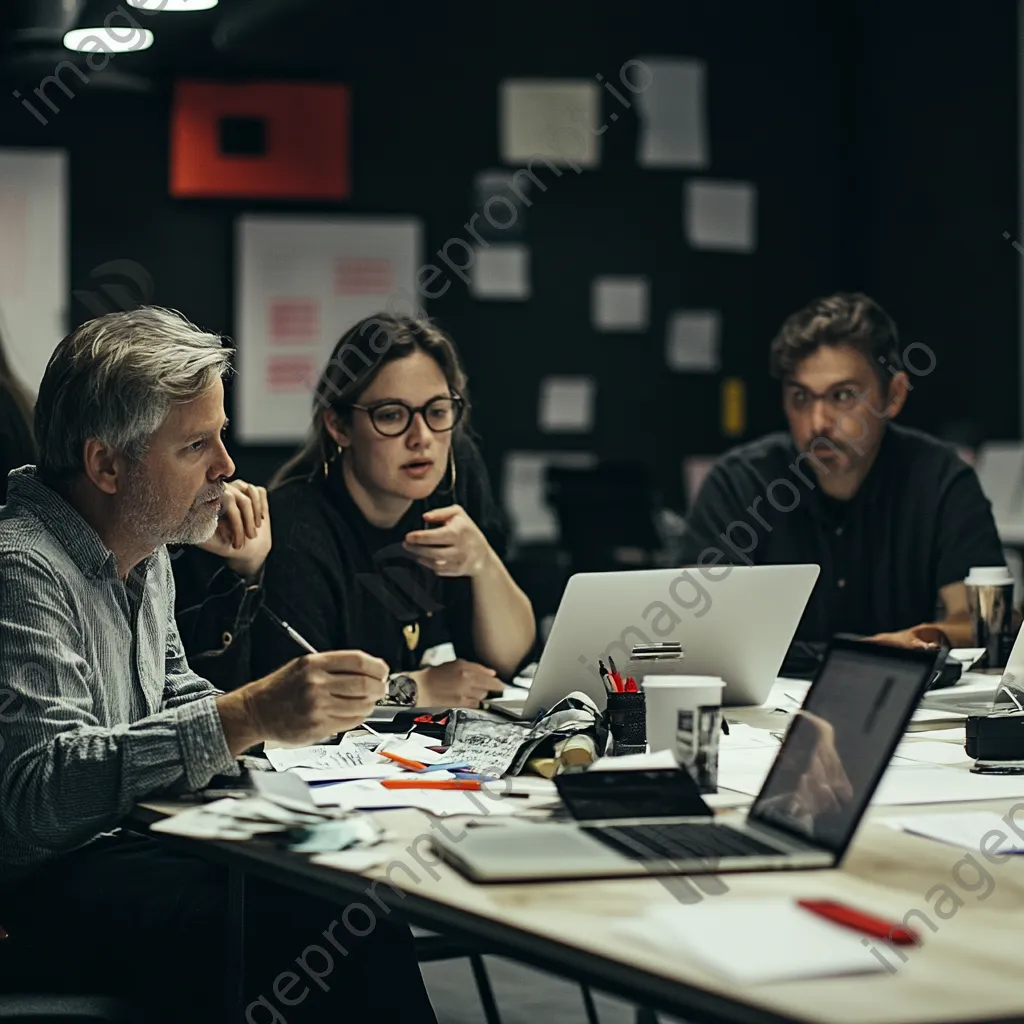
x,y
416,766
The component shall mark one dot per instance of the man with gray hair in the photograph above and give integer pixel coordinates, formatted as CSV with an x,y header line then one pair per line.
x,y
101,708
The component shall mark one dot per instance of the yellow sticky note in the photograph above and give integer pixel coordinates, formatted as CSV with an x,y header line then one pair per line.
x,y
734,407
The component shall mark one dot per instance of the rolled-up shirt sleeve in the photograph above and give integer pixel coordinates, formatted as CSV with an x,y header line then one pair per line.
x,y
64,775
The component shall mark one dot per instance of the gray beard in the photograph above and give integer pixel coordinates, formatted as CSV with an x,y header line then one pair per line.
x,y
143,514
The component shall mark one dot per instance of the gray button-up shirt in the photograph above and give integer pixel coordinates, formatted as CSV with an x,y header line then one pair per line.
x,y
98,706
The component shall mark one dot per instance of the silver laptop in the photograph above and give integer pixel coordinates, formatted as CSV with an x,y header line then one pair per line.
x,y
827,770
737,626
1006,692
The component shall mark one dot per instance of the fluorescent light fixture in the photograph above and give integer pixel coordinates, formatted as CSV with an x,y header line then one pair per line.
x,y
116,39
173,5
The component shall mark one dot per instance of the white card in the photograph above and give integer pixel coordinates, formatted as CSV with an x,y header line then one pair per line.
x,y
721,215
566,405
672,115
553,120
620,303
500,272
692,341
734,938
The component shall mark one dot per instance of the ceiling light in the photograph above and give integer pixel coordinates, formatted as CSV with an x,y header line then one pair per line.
x,y
155,6
117,39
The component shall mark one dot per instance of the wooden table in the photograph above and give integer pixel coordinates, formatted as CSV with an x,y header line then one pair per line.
x,y
968,969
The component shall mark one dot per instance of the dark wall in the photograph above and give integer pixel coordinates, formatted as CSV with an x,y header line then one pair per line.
x,y
883,147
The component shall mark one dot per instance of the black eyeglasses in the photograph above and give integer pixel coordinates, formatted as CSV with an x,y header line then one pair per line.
x,y
393,418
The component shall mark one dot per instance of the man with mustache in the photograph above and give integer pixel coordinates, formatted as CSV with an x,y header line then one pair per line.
x,y
894,517
101,708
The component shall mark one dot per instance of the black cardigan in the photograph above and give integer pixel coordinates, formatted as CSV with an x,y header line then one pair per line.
x,y
214,609
344,584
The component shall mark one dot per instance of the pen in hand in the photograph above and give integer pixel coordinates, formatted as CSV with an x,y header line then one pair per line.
x,y
308,648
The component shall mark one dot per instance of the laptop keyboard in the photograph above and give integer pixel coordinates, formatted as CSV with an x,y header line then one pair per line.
x,y
677,841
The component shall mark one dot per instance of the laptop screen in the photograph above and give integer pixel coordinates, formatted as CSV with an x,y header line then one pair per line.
x,y
839,744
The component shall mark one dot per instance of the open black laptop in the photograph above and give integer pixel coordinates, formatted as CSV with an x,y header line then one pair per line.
x,y
834,754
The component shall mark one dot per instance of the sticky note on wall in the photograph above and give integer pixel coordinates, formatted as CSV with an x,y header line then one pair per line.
x,y
619,303
672,114
734,407
721,215
692,340
566,405
552,119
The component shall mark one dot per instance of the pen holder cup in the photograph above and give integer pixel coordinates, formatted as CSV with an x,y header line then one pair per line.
x,y
627,720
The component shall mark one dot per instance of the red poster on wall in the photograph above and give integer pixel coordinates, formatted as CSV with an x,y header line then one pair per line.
x,y
260,140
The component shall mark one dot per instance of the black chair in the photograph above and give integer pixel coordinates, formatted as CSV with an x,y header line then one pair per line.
x,y
608,516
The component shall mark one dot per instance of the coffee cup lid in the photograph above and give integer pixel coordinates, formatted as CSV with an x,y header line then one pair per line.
x,y
988,576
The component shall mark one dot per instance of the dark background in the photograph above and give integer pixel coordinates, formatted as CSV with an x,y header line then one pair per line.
x,y
882,139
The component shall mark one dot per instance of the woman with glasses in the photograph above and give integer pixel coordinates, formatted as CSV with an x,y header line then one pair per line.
x,y
386,535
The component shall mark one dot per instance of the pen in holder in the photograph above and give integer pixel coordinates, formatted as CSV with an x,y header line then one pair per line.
x,y
627,720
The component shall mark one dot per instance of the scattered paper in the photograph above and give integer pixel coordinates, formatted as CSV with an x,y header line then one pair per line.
x,y
721,215
635,762
350,796
532,519
416,747
733,938
500,272
326,756
935,784
746,737
553,120
620,303
933,752
318,776
489,746
692,341
235,819
284,789
967,656
567,405
672,115
964,828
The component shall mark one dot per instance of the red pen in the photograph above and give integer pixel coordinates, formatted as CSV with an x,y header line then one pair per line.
x,y
631,686
840,913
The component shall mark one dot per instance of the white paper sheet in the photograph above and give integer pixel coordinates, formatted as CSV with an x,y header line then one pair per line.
x,y
732,937
317,776
937,784
532,519
359,859
327,756
566,405
721,215
672,115
34,259
692,339
301,283
554,120
620,303
963,828
500,272
350,796
636,762
934,752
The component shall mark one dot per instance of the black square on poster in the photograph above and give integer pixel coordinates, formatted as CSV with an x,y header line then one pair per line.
x,y
243,136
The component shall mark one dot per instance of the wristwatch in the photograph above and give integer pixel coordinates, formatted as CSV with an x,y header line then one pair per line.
x,y
401,689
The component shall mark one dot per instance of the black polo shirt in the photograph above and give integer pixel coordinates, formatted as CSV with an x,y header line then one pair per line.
x,y
918,522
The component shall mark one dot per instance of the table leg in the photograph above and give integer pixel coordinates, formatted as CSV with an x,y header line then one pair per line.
x,y
234,973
